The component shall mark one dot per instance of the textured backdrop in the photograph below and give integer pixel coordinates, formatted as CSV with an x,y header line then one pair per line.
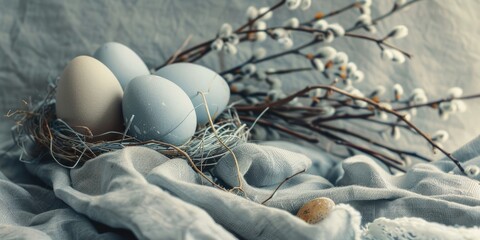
x,y
38,38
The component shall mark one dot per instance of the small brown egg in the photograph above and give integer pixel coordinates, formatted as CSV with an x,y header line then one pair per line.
x,y
316,210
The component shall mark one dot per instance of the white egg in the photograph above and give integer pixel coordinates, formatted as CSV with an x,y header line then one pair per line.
x,y
194,78
161,110
122,61
89,96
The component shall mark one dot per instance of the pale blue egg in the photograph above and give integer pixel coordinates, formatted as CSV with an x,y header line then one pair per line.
x,y
162,110
194,78
122,61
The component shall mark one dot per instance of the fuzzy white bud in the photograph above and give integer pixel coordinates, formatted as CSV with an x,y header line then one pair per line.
x,y
217,45
387,54
418,91
261,36
371,29
386,105
249,69
407,116
364,19
252,12
447,107
472,171
337,29
279,33
418,96
271,70
306,4
397,90
357,93
381,115
318,64
259,53
340,58
225,30
260,25
396,133
398,32
460,105
326,52
228,77
360,103
351,67
274,82
264,10
327,111
379,91
292,22
440,136
233,39
397,57
357,76
321,25
329,37
455,92
237,87
230,48
293,4
400,2
286,42
366,10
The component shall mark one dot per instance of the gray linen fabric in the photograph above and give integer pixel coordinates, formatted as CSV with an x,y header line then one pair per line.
x,y
159,198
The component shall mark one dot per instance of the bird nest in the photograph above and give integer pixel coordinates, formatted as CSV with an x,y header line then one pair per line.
x,y
39,133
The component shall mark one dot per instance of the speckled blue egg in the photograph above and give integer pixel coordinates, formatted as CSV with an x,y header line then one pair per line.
x,y
122,61
194,78
162,110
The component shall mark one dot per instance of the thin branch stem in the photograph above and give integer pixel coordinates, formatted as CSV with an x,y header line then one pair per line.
x,y
280,185
378,41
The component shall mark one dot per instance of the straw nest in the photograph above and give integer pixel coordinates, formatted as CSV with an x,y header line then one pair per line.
x,y
39,133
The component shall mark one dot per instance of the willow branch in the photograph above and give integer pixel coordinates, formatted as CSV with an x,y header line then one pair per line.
x,y
367,100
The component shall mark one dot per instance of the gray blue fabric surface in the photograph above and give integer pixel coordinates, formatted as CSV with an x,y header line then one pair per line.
x,y
159,198
137,193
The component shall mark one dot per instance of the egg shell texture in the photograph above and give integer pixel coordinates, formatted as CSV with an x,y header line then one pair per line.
x,y
122,61
316,210
89,95
193,78
162,110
